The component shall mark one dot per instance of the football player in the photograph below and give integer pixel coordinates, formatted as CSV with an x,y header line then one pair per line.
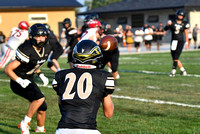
x,y
110,58
178,29
72,39
81,90
92,33
17,37
30,56
57,50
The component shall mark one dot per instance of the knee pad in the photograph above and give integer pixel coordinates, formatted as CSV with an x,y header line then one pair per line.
x,y
50,64
43,107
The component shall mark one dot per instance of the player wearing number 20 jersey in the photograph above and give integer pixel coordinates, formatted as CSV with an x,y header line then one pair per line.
x,y
17,37
82,89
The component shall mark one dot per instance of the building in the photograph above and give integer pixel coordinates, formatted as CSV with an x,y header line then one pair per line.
x,y
139,12
36,11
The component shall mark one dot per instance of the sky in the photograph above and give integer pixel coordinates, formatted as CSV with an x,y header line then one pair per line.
x,y
82,2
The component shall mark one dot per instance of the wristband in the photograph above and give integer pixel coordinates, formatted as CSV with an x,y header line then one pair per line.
x,y
39,73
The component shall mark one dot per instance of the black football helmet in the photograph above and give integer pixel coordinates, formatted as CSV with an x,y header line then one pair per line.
x,y
95,16
180,12
87,18
38,30
87,52
47,26
67,21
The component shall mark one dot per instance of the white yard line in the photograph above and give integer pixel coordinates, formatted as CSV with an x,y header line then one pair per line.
x,y
156,101
146,72
151,72
136,99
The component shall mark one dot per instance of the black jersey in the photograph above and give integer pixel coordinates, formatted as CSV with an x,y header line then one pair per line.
x,y
56,46
30,59
81,92
177,29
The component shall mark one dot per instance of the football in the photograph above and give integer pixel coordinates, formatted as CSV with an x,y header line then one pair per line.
x,y
108,43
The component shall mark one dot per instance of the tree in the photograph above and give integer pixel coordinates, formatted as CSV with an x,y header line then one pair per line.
x,y
92,4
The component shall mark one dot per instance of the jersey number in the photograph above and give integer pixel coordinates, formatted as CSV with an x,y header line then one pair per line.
x,y
85,78
17,33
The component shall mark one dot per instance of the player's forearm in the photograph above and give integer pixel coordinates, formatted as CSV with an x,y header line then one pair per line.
x,y
9,71
108,106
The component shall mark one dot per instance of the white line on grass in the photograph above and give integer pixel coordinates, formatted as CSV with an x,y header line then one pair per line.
x,y
157,73
156,101
149,72
136,99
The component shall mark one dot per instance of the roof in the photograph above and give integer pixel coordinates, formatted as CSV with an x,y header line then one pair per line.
x,y
18,4
141,5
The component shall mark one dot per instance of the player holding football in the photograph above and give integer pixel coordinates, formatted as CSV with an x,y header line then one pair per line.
x,y
30,56
178,27
81,90
17,37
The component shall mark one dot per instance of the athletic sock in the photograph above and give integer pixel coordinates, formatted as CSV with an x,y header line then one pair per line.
x,y
182,69
173,71
41,129
27,119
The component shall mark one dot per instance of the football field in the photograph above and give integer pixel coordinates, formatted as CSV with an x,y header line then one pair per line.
x,y
146,99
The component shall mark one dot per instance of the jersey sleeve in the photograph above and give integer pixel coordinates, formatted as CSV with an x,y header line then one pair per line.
x,y
109,85
22,54
56,83
187,25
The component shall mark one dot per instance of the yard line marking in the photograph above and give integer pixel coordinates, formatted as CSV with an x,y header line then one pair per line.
x,y
156,101
136,99
157,73
147,72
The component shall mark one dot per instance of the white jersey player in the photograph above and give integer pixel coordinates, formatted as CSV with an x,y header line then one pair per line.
x,y
92,32
17,37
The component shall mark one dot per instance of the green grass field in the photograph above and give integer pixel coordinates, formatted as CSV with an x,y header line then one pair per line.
x,y
151,102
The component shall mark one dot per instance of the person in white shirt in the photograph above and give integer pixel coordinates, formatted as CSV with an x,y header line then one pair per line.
x,y
138,39
17,37
187,46
148,37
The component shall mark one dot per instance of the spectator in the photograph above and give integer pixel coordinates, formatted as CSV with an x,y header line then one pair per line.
x,y
154,33
148,38
119,33
160,32
194,34
189,39
129,38
108,29
138,39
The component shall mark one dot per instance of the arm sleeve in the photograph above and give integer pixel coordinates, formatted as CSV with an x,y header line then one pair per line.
x,y
109,85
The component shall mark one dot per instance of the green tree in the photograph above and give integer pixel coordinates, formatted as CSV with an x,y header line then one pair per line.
x,y
92,4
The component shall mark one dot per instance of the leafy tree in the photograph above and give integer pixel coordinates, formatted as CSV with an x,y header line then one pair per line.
x,y
92,4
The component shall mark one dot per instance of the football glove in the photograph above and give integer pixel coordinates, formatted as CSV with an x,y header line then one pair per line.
x,y
44,79
23,82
